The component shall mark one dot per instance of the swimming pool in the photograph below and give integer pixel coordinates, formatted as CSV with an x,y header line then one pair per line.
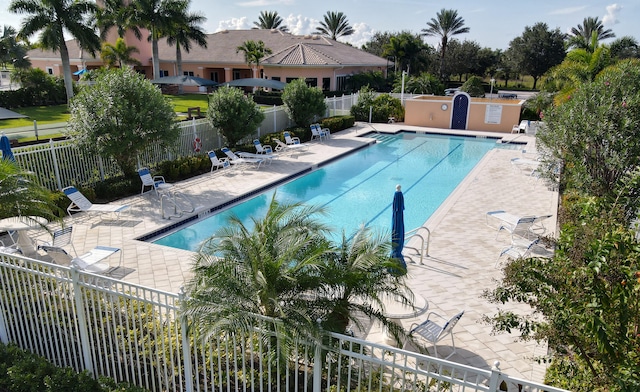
x,y
359,188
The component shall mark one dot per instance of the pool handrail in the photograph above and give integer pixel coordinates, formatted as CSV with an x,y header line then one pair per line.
x,y
423,250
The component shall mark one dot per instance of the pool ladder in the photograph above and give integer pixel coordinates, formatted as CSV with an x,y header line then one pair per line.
x,y
180,202
420,232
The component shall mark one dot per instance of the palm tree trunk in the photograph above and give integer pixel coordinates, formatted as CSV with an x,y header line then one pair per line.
x,y
154,50
66,70
179,65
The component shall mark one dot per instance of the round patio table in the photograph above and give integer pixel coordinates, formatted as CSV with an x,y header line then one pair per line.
x,y
395,310
20,224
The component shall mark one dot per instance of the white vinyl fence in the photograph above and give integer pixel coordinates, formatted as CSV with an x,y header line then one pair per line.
x,y
135,334
58,164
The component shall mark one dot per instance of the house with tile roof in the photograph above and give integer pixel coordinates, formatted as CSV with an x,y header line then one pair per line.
x,y
320,61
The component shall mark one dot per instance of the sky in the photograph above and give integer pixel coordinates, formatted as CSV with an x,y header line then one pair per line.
x,y
492,23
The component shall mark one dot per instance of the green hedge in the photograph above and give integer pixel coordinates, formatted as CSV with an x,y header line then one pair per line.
x,y
22,371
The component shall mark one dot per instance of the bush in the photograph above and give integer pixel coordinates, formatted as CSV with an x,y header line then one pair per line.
x,y
473,87
234,114
303,103
338,123
365,100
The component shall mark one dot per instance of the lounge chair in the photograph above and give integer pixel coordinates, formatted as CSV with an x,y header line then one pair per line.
x,y
79,203
529,226
241,162
90,261
289,148
61,238
520,247
433,332
157,183
291,140
260,149
218,163
318,133
268,158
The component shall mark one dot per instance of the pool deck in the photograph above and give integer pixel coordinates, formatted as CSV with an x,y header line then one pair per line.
x,y
460,264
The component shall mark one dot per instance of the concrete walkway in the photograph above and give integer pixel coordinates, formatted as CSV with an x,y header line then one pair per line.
x,y
461,260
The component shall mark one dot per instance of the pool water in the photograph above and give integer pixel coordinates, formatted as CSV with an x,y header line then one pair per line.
x,y
359,188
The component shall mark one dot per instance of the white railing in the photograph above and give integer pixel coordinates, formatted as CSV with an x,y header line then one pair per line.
x,y
134,333
58,164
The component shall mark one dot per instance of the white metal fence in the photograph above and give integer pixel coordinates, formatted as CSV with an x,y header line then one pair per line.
x,y
134,333
58,164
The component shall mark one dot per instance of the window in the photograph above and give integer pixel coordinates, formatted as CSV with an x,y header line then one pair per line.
x,y
341,82
289,80
164,73
214,76
188,73
311,82
50,70
326,84
275,78
236,75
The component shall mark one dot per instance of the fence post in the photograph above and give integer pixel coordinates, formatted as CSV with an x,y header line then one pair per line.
x,y
494,380
317,367
186,349
4,335
56,170
82,321
275,119
101,167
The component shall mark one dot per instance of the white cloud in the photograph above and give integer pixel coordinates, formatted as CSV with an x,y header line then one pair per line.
x,y
264,3
301,25
611,17
361,35
234,24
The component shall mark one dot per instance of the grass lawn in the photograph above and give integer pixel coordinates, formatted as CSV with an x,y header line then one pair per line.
x,y
181,103
44,115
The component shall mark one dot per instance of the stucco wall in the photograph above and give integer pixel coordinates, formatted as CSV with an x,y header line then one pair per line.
x,y
428,111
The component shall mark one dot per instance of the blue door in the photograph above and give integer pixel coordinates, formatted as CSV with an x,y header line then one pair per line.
x,y
460,111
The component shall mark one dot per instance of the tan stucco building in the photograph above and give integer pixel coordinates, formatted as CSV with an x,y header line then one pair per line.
x,y
463,112
320,61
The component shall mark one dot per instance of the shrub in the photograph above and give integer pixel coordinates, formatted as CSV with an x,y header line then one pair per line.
x,y
338,123
473,87
303,103
234,114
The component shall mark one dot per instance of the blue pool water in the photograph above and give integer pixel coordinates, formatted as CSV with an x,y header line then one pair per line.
x,y
359,188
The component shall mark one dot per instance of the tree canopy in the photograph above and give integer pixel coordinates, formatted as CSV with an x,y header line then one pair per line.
x,y
270,20
233,113
334,25
446,24
303,103
121,115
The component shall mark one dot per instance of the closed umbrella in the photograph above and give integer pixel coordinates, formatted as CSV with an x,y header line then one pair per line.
x,y
397,226
5,147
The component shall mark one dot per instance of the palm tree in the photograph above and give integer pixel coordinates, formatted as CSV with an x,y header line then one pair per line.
x,y
270,20
22,195
11,50
253,53
581,35
624,48
185,30
446,24
357,276
266,270
334,25
118,54
406,49
52,18
157,16
115,13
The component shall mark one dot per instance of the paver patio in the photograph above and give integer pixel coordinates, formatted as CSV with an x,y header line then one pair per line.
x,y
459,267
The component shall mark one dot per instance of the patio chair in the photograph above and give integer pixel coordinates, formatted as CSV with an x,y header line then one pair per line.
x,y
318,133
291,140
519,248
218,163
528,226
260,149
61,238
157,183
90,261
289,148
434,332
241,162
80,203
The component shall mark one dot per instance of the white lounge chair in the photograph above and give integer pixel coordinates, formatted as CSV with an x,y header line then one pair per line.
x,y
291,140
218,163
90,261
157,183
60,239
319,133
434,332
79,203
528,226
289,148
260,149
520,247
241,162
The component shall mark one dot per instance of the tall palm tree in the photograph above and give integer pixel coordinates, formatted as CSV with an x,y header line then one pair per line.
x,y
406,49
115,13
157,16
253,53
581,35
270,20
118,54
334,25
52,18
185,30
446,24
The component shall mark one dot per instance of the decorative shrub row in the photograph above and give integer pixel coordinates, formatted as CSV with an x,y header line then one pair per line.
x,y
52,94
22,371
